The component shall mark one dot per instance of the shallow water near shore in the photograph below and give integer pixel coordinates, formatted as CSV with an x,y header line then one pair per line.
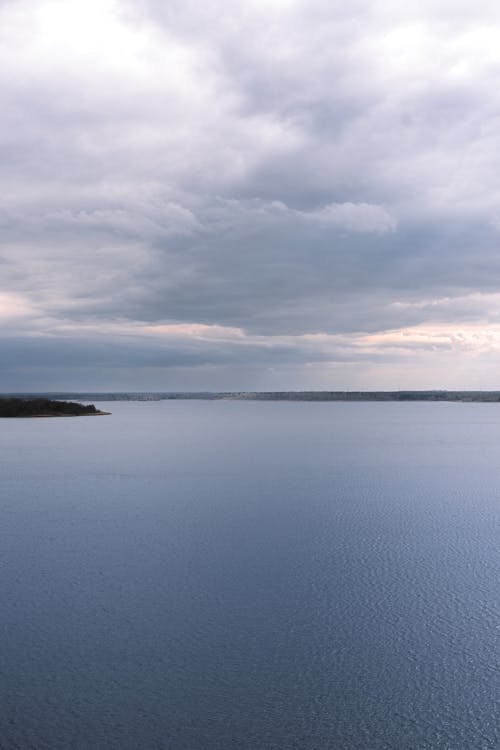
x,y
189,574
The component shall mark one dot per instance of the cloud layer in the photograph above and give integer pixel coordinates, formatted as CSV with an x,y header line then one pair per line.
x,y
249,195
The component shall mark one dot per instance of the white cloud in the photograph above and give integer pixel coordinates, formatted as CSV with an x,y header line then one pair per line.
x,y
358,217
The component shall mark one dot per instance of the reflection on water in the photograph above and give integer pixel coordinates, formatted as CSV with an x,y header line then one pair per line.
x,y
251,575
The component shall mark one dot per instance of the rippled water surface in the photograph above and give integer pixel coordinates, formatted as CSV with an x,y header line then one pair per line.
x,y
218,575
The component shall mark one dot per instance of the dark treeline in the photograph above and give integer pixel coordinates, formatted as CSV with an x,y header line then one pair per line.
x,y
42,407
477,396
480,396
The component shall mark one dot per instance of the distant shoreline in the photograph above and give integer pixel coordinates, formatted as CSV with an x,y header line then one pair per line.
x,y
56,416
319,396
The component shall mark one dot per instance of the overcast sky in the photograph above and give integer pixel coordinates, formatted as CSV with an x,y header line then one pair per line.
x,y
249,194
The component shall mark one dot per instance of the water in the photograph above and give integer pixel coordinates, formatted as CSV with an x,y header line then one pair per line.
x,y
251,575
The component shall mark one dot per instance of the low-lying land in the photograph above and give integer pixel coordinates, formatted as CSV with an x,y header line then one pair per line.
x,y
44,407
474,396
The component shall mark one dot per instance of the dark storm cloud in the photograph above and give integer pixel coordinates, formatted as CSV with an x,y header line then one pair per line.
x,y
281,168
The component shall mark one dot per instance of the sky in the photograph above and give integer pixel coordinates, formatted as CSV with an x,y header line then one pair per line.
x,y
231,195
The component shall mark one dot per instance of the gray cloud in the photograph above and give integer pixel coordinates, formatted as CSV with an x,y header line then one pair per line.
x,y
283,168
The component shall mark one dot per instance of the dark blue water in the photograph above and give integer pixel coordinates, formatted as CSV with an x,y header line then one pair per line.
x,y
251,575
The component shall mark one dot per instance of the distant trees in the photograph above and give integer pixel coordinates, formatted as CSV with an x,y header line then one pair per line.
x,y
38,407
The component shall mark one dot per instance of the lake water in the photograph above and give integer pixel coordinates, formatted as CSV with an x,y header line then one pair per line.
x,y
211,575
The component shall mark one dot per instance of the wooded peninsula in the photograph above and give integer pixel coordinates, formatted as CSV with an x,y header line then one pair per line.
x,y
44,407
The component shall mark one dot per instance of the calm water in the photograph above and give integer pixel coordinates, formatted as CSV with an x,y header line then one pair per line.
x,y
190,575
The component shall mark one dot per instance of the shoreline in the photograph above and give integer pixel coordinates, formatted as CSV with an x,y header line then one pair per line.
x,y
40,407
457,396
55,416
